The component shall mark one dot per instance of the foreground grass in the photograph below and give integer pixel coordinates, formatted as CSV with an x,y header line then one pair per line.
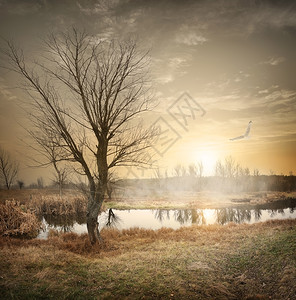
x,y
206,262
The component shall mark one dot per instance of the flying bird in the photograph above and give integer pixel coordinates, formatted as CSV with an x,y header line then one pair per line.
x,y
245,135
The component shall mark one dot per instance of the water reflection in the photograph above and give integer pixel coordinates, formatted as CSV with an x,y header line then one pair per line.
x,y
63,223
155,219
236,215
112,219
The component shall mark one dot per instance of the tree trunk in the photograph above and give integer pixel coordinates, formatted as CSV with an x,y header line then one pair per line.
x,y
95,201
97,193
93,230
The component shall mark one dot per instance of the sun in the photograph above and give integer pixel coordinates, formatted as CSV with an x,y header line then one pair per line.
x,y
208,159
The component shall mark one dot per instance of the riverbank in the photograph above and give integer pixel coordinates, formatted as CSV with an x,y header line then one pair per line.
x,y
197,262
48,201
199,200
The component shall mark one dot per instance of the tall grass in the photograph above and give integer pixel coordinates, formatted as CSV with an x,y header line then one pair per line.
x,y
16,220
56,205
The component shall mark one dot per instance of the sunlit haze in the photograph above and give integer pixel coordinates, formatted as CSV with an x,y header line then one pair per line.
x,y
215,66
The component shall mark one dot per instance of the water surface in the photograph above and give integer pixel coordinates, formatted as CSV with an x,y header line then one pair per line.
x,y
175,218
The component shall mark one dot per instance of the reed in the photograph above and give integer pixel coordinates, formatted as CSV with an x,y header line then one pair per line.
x,y
17,220
56,205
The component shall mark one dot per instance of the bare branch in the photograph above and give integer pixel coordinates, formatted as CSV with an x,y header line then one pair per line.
x,y
86,100
8,169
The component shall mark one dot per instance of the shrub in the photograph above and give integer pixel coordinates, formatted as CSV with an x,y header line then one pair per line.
x,y
15,220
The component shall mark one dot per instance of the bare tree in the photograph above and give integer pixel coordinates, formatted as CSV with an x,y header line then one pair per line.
x,y
20,184
91,95
196,169
231,167
40,183
8,169
192,170
220,169
183,171
157,173
111,185
256,172
200,169
49,147
178,170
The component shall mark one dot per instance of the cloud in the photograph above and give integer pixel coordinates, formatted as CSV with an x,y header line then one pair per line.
x,y
168,69
190,38
5,91
165,78
266,91
21,8
101,7
177,62
240,18
274,61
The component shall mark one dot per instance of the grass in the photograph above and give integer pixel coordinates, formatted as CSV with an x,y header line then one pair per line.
x,y
198,200
46,201
199,262
58,206
16,220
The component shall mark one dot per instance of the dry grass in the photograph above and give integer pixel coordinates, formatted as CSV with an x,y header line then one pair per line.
x,y
48,202
16,220
56,205
199,262
198,200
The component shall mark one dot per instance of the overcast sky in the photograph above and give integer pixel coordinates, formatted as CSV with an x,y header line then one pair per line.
x,y
235,59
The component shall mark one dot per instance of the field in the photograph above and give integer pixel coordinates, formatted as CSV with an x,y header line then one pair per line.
x,y
199,262
177,200
213,262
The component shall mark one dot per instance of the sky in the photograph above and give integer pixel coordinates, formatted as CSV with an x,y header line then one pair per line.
x,y
216,65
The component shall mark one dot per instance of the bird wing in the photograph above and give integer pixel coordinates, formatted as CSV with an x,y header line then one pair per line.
x,y
248,129
238,138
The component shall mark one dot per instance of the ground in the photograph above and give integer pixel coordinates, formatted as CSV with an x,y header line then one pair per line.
x,y
197,262
232,261
177,200
199,200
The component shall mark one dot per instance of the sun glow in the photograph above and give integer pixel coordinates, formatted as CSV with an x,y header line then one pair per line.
x,y
209,215
208,159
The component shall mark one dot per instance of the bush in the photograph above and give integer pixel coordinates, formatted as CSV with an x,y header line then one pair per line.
x,y
15,220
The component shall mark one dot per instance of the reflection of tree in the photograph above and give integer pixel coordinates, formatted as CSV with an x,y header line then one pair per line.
x,y
223,216
199,217
160,214
112,220
65,222
257,214
194,216
182,215
61,220
236,215
274,212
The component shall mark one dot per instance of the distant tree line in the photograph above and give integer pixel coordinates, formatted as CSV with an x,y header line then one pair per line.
x,y
229,176
240,183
